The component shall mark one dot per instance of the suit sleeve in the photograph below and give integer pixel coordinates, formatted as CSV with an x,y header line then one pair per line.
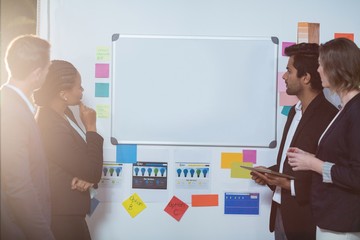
x,y
17,185
348,175
79,158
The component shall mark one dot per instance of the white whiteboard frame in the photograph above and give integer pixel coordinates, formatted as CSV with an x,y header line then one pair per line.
x,y
266,110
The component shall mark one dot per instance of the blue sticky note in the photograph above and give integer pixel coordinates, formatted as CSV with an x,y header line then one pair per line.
x,y
93,204
101,89
126,153
285,111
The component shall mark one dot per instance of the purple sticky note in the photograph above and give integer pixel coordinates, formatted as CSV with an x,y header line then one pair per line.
x,y
285,45
249,156
102,70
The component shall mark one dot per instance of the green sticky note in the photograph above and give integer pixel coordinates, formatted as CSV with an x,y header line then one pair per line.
x,y
103,111
102,53
239,172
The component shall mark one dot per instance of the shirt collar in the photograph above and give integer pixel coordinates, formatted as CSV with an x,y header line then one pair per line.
x,y
298,106
22,95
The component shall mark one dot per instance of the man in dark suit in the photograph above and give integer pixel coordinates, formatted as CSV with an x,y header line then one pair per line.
x,y
25,197
291,217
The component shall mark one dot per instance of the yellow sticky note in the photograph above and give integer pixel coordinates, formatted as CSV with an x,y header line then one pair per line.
x,y
103,110
102,53
228,158
134,205
239,172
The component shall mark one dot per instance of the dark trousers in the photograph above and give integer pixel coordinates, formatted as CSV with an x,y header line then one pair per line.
x,y
70,227
279,226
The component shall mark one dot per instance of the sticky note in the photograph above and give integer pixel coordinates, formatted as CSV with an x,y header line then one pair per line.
x,y
228,158
101,89
239,172
176,208
126,153
287,100
349,36
249,156
103,111
285,45
102,53
204,200
285,111
281,82
102,70
134,205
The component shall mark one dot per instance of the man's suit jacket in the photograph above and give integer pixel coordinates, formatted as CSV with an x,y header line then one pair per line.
x,y
296,211
69,156
25,193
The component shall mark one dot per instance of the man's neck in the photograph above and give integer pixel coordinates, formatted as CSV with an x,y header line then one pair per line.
x,y
306,98
23,86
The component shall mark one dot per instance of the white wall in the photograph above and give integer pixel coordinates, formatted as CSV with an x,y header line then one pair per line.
x,y
76,28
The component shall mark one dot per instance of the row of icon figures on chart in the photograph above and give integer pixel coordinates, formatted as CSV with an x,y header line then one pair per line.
x,y
192,172
149,171
112,170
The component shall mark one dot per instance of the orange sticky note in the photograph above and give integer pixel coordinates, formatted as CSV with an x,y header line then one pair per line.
x,y
204,200
349,36
228,158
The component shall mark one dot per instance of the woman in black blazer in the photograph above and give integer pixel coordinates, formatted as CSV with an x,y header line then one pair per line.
x,y
75,157
336,165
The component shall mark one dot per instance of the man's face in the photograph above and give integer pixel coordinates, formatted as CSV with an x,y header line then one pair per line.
x,y
293,83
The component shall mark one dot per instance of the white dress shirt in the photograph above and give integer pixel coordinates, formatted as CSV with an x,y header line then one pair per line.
x,y
289,137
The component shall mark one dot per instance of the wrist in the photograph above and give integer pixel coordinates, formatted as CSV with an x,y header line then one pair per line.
x,y
91,128
317,166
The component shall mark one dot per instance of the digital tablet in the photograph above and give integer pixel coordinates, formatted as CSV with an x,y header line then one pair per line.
x,y
266,170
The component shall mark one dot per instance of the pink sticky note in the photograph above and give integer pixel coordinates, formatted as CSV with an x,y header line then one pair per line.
x,y
102,70
285,45
281,82
287,100
249,156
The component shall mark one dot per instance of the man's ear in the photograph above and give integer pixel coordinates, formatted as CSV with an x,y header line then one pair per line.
x,y
307,78
37,73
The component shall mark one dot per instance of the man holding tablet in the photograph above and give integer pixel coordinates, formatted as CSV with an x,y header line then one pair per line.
x,y
291,217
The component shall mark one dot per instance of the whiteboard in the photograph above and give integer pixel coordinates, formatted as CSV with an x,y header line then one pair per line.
x,y
194,90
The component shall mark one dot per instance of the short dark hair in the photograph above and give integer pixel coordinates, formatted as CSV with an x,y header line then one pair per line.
x,y
340,59
24,54
306,61
61,76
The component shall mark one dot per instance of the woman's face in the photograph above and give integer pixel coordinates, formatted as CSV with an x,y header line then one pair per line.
x,y
74,95
324,79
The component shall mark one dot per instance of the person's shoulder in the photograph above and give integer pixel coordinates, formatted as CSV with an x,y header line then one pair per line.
x,y
324,104
47,118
